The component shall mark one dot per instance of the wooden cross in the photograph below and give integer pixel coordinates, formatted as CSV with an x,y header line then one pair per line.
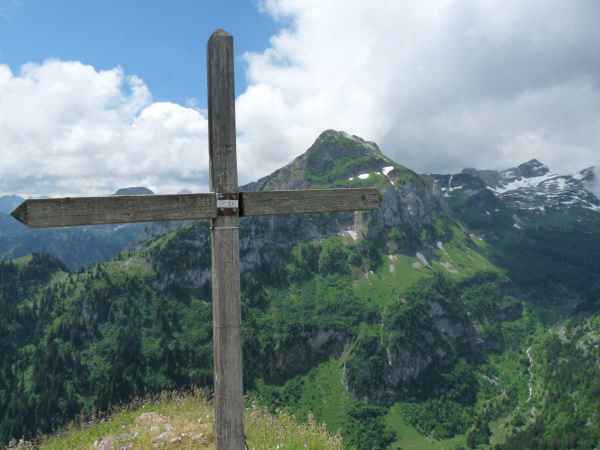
x,y
223,206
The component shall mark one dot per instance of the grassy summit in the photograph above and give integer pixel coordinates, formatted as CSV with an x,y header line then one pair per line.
x,y
186,422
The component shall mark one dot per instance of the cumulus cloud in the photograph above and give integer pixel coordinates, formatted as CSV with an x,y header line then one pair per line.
x,y
439,84
67,128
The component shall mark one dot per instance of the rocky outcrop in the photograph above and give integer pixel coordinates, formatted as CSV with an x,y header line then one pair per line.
x,y
414,343
334,155
298,352
409,203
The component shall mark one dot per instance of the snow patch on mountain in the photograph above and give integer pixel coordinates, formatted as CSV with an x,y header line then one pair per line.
x,y
387,170
533,187
520,183
449,189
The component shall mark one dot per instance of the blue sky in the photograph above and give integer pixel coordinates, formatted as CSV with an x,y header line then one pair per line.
x,y
439,85
163,42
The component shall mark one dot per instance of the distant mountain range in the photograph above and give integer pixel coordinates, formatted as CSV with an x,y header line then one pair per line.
x,y
525,195
530,188
76,247
463,314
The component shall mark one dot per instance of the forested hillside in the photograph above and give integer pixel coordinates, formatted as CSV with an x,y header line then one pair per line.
x,y
453,317
76,247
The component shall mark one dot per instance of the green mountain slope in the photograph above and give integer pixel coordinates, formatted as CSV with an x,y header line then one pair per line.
x,y
542,227
562,408
407,327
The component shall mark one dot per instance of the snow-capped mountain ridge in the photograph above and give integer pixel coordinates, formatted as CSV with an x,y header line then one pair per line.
x,y
531,186
530,169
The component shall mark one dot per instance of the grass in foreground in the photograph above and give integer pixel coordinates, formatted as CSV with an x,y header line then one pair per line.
x,y
186,422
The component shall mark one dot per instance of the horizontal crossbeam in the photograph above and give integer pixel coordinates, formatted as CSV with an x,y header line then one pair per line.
x,y
309,201
70,211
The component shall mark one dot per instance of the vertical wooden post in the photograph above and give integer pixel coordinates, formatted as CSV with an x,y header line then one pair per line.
x,y
228,399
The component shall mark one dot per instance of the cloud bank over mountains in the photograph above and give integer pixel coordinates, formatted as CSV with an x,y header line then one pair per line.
x,y
440,85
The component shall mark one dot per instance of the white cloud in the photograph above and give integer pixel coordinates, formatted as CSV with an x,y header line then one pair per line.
x,y
66,128
439,84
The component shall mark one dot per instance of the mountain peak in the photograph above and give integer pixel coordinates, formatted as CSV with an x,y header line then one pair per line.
x,y
587,175
338,154
530,169
343,138
333,159
533,168
343,142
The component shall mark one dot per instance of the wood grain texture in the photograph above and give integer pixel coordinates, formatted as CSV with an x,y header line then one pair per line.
x,y
64,212
221,116
309,201
228,389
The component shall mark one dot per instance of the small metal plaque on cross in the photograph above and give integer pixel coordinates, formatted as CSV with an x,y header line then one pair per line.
x,y
224,206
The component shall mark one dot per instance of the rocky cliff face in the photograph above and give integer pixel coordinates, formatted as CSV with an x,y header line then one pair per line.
x,y
333,158
418,339
336,159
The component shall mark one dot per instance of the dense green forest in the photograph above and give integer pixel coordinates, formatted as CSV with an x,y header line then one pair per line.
x,y
421,326
318,343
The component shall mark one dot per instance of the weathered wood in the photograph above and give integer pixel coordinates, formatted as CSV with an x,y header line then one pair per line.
x,y
309,201
228,391
70,211
221,113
